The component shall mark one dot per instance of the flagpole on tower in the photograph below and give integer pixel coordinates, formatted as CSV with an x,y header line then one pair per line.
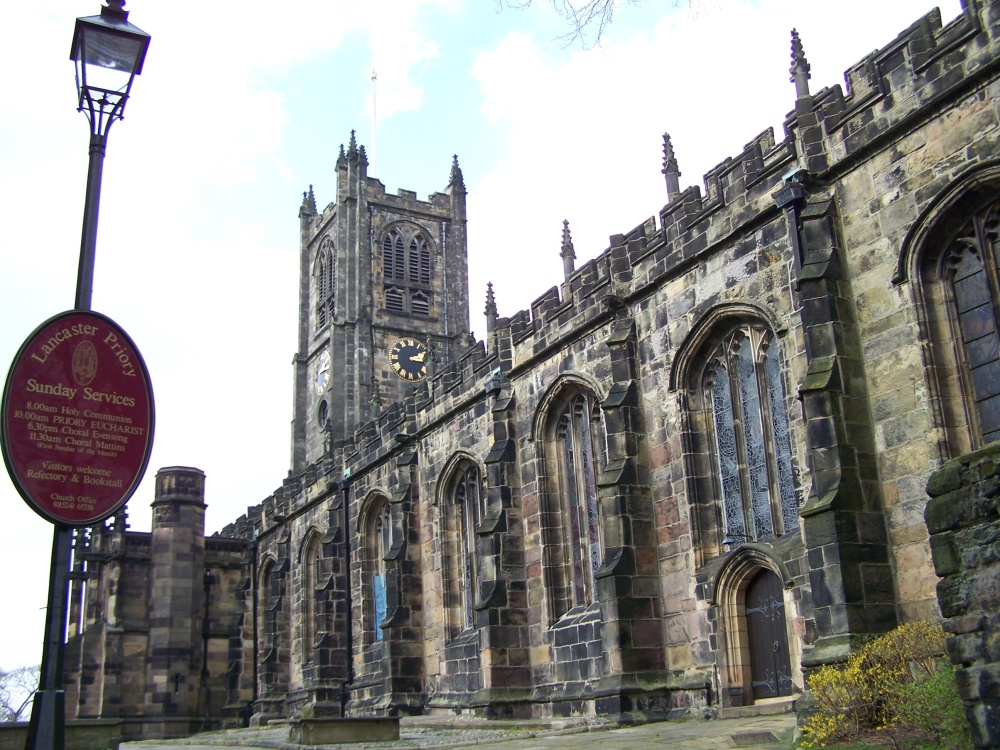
x,y
374,147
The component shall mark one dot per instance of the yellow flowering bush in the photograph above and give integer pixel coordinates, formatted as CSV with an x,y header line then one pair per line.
x,y
874,690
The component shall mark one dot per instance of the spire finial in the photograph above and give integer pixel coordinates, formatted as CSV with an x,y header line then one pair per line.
x,y
568,253
342,158
456,179
491,302
308,207
670,170
491,310
567,241
800,67
352,147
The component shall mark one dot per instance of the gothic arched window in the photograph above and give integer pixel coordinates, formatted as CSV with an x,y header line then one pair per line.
x,y
378,541
323,276
407,272
969,270
393,266
268,588
311,575
576,453
468,510
751,444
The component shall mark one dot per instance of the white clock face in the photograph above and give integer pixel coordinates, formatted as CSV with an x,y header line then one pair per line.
x,y
323,372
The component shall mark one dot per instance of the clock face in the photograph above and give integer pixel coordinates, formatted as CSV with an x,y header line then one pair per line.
x,y
323,372
408,359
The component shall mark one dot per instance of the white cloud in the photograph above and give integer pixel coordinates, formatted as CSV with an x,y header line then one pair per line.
x,y
583,131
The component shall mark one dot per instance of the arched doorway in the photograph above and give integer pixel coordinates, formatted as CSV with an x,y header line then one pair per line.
x,y
767,637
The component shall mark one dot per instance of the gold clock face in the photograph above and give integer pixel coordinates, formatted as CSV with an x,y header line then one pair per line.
x,y
408,359
323,372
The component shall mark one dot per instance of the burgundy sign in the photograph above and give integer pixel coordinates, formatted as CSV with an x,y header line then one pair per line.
x,y
77,425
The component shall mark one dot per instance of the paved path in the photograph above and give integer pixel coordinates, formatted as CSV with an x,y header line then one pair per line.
x,y
420,732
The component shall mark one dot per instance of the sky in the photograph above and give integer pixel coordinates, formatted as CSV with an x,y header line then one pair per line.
x,y
242,105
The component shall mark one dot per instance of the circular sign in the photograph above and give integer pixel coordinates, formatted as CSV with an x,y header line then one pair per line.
x,y
77,423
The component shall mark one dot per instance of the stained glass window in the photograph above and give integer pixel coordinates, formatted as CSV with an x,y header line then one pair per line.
x,y
752,446
381,544
971,269
468,508
310,578
580,436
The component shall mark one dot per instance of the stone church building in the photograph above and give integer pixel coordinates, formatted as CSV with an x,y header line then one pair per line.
x,y
691,472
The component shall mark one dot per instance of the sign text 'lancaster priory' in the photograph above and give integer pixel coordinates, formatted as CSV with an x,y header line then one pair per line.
x,y
77,418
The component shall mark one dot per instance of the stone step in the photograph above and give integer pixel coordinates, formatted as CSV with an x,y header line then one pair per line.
x,y
760,708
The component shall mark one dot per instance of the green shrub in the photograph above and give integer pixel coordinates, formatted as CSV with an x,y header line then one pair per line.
x,y
929,713
896,687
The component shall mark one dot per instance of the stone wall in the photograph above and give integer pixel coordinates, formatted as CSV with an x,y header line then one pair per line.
x,y
964,522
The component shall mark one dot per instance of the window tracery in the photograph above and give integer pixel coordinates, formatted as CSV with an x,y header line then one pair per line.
x,y
311,574
574,541
468,512
323,276
970,269
751,438
383,536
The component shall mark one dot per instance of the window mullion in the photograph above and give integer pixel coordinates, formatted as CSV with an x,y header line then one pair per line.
x,y
742,470
754,447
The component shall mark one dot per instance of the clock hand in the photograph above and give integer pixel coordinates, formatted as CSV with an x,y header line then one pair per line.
x,y
419,357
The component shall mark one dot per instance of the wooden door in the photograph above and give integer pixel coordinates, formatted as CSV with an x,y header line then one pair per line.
x,y
770,666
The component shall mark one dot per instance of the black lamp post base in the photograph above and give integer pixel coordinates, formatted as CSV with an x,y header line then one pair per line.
x,y
47,728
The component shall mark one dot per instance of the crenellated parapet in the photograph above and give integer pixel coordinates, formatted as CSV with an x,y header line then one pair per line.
x,y
887,91
890,86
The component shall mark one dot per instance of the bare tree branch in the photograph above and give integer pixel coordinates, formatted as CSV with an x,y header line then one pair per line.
x,y
584,17
16,688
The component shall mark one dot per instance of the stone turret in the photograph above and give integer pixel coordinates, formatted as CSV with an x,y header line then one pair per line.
x,y
176,595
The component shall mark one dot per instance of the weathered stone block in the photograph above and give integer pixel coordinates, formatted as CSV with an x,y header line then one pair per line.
x,y
346,730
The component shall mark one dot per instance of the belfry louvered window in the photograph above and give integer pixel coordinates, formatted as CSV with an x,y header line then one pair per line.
x,y
752,446
970,269
323,276
407,271
393,265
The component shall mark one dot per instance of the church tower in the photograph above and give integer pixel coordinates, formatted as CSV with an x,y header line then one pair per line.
x,y
383,300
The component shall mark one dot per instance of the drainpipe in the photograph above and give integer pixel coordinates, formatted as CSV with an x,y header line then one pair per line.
x,y
345,487
208,580
256,639
790,198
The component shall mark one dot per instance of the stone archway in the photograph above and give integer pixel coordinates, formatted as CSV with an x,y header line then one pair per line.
x,y
767,637
756,656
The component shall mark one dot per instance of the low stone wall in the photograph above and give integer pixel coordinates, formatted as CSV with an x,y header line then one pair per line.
x,y
964,523
84,734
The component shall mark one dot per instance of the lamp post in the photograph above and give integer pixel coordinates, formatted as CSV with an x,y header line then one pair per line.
x,y
108,52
